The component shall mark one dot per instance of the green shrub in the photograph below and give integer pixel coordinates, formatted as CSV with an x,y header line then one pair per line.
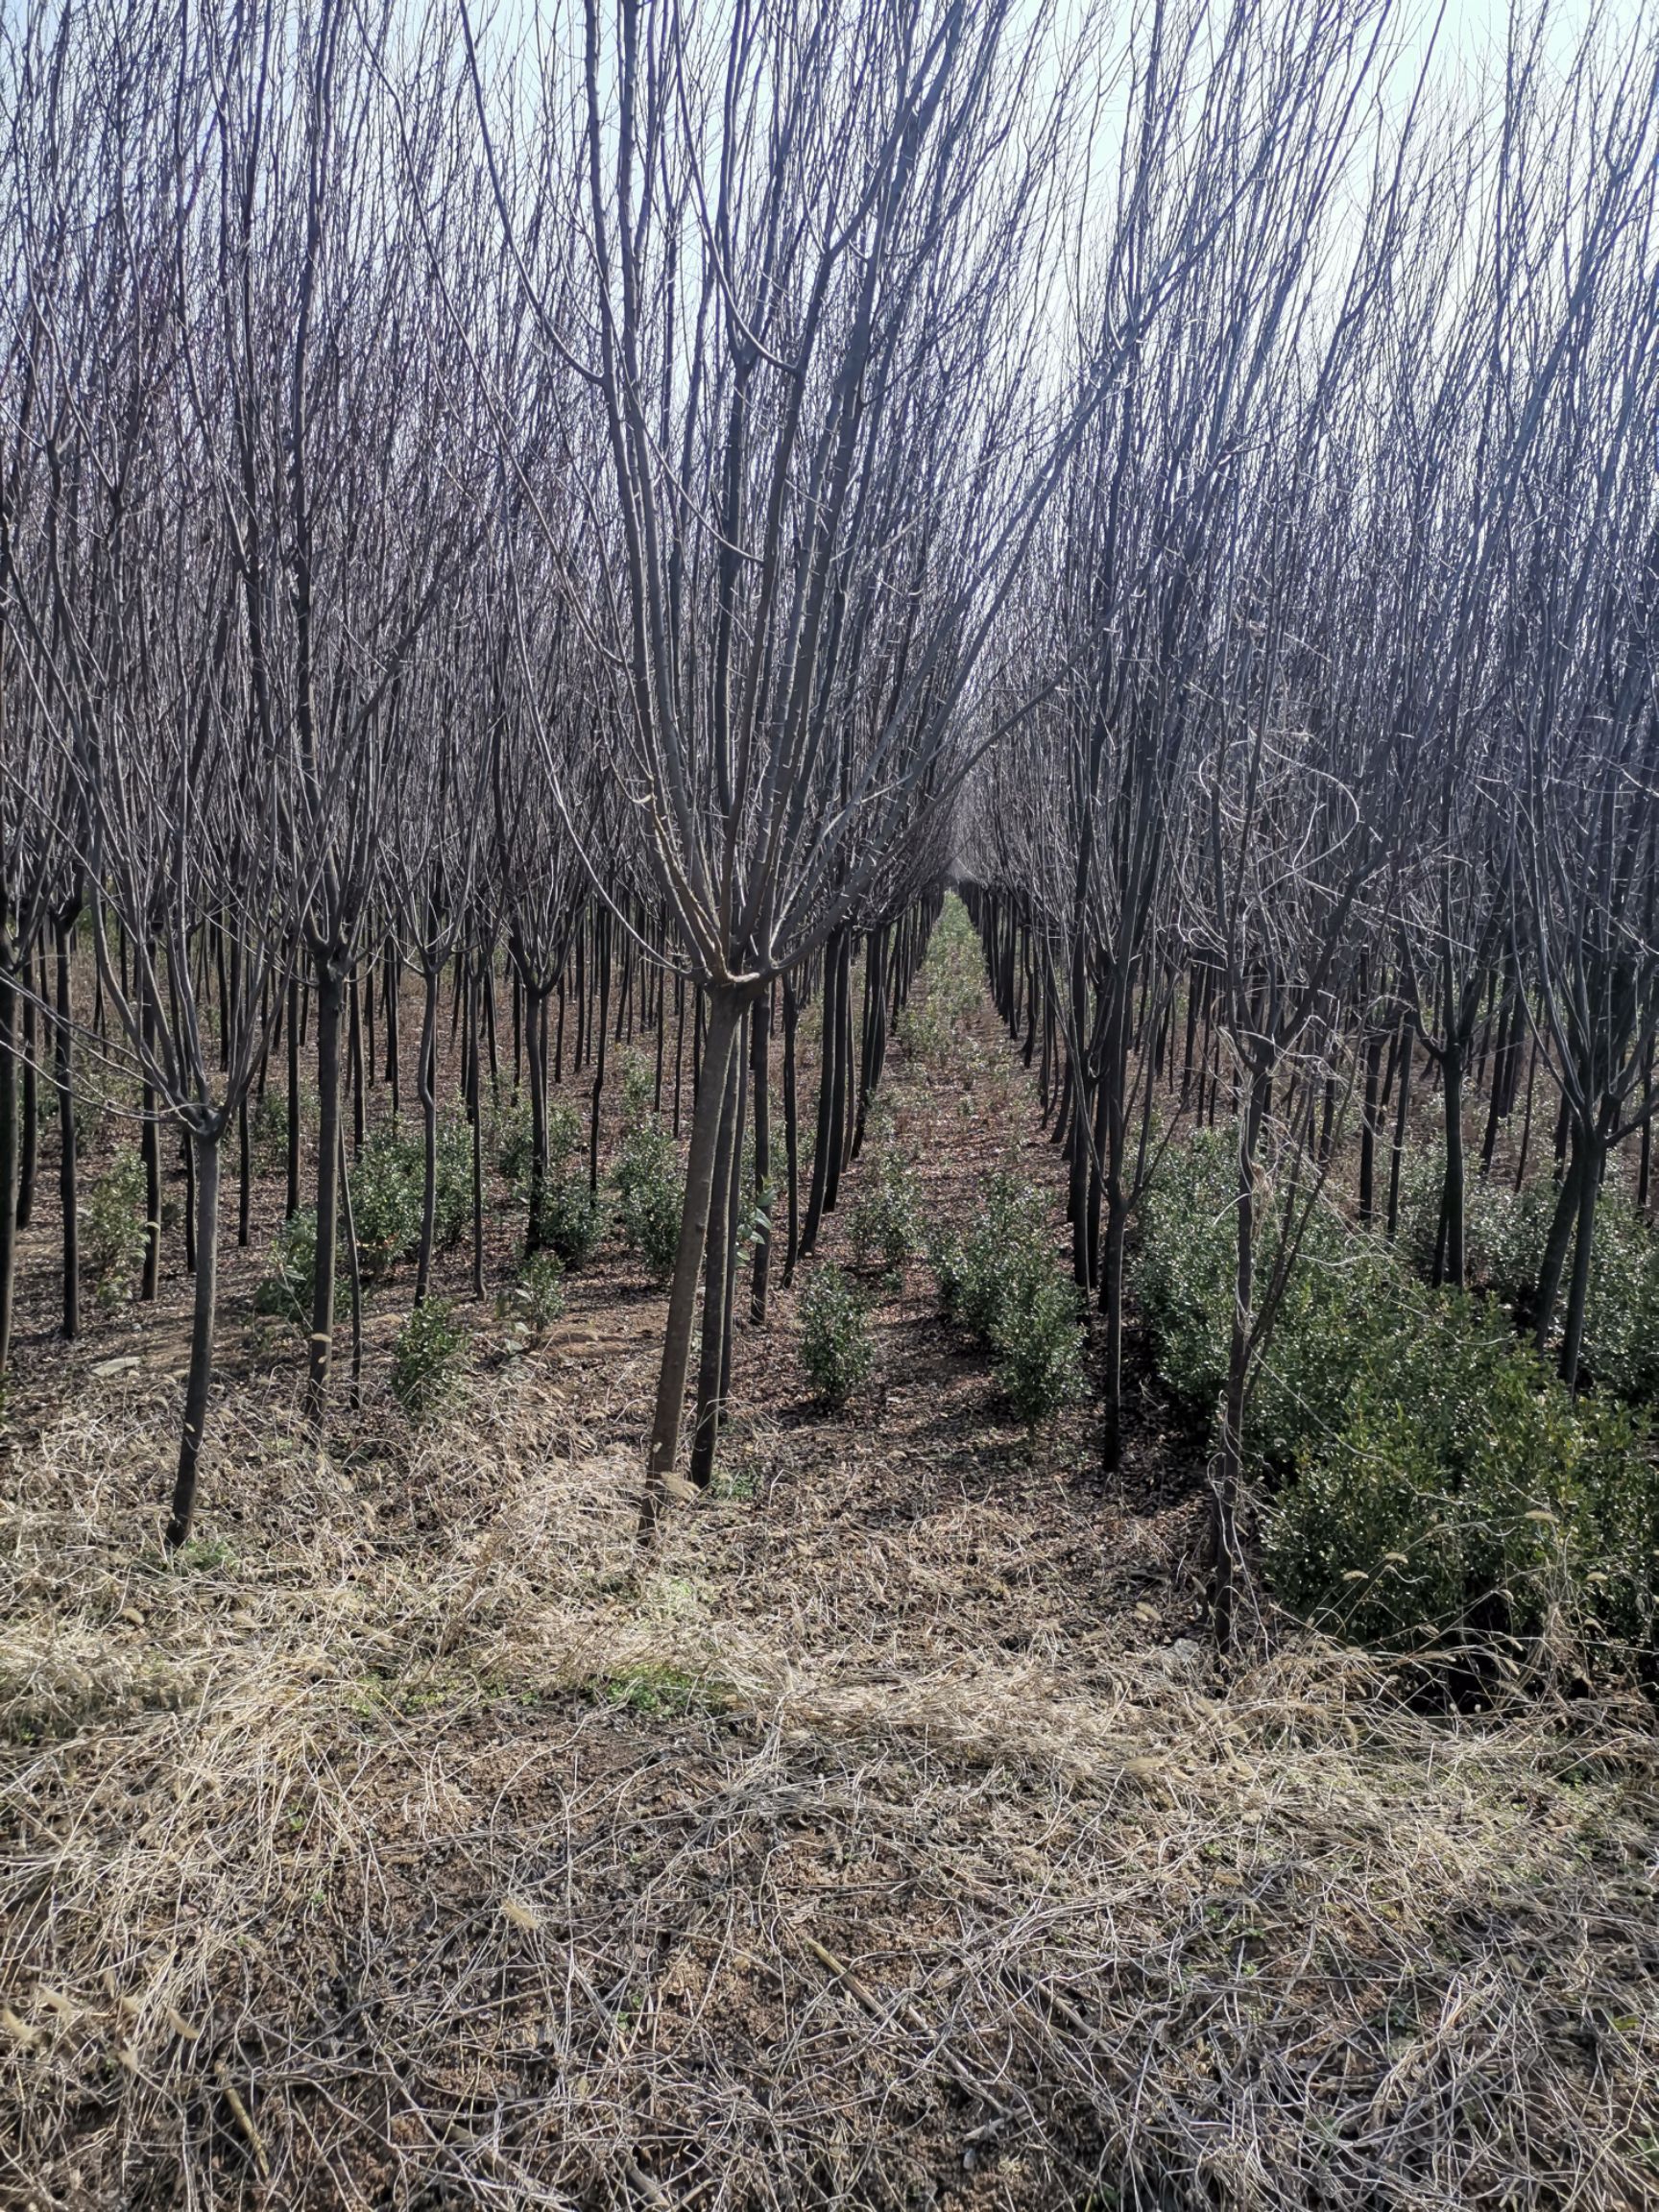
x,y
537,1299
1466,1491
886,1215
114,1231
638,1087
1039,1347
1504,1237
566,1137
268,1130
1003,1283
1344,1291
452,1185
512,1142
650,1189
1433,1480
427,1355
836,1347
387,1185
574,1220
290,1284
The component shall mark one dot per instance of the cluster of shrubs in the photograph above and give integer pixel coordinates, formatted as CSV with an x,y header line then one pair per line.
x,y
1003,1283
645,1190
388,1190
1427,1478
1505,1233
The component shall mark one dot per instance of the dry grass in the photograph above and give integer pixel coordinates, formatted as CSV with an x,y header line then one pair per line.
x,y
415,1847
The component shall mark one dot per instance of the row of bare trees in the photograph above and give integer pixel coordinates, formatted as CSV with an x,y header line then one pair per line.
x,y
574,511
1350,768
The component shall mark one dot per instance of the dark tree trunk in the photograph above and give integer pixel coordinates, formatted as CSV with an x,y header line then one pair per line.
x,y
602,956
475,1114
393,1042
321,1349
759,1029
1397,1153
68,1179
824,1149
791,1129
725,1015
205,1150
29,1153
354,1276
1592,1147
244,1173
427,1084
291,1204
354,1053
706,1432
150,1152
8,1150
535,1031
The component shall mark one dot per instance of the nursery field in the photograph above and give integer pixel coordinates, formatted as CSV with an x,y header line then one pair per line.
x,y
887,1833
829,1066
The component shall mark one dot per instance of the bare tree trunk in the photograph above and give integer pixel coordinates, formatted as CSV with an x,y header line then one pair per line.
x,y
329,996
1555,1247
1368,1129
68,1181
760,1021
725,1012
353,1275
706,1427
534,1031
1397,1155
8,1152
475,1109
426,1086
244,1173
1230,1459
1592,1157
206,1149
791,1128
394,1047
291,1204
825,1149
1453,1202
29,1152
601,960
354,1053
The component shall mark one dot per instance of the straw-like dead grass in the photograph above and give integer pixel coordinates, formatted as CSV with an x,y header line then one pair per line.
x,y
416,1847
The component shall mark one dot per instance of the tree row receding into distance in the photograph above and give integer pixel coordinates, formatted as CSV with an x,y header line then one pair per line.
x,y
560,534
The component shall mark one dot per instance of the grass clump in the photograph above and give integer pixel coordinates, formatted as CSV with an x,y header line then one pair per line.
x,y
835,1346
655,1691
427,1356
